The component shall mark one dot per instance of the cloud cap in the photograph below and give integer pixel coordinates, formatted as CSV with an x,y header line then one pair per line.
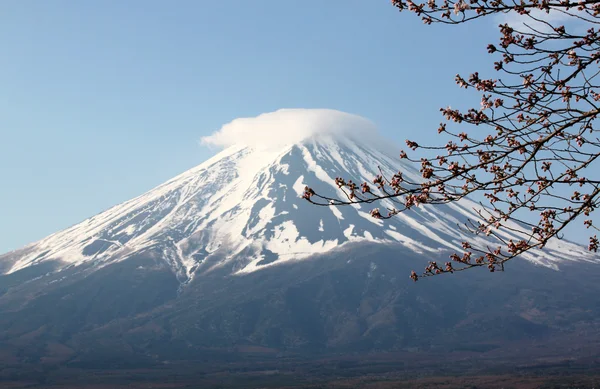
x,y
289,126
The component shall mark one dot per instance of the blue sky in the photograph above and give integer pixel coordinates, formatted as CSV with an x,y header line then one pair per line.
x,y
101,101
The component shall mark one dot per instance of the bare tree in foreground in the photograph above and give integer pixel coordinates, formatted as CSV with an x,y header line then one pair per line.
x,y
532,145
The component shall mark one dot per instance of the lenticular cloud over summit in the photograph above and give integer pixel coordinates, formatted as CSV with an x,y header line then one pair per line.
x,y
288,126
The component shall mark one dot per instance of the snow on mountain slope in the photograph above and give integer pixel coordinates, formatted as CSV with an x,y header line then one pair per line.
x,y
242,208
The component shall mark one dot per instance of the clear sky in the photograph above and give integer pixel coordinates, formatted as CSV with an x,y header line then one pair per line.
x,y
101,101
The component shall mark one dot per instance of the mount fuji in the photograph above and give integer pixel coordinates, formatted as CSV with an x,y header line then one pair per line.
x,y
228,255
242,209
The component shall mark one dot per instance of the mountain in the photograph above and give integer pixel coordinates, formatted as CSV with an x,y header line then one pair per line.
x,y
242,210
226,260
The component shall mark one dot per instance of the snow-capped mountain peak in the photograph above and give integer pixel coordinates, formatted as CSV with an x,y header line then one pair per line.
x,y
243,207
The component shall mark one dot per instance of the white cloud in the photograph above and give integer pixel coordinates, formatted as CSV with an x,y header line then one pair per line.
x,y
289,126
